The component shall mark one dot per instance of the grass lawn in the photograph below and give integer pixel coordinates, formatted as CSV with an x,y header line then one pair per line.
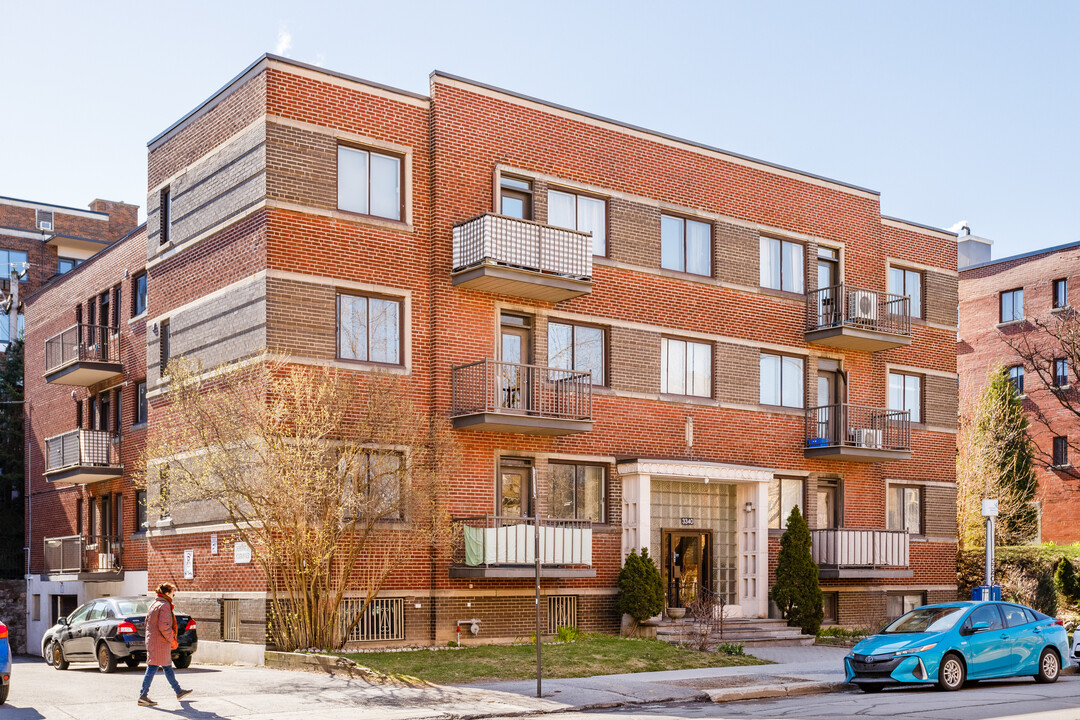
x,y
592,654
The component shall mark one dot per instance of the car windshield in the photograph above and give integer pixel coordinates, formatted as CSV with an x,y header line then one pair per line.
x,y
133,607
928,619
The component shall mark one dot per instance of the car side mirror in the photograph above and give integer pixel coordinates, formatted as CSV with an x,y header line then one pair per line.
x,y
62,620
976,627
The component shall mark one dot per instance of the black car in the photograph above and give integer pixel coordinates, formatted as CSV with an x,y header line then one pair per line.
x,y
110,630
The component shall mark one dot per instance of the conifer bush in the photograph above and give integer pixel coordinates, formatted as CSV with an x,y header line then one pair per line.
x,y
1066,582
641,589
797,591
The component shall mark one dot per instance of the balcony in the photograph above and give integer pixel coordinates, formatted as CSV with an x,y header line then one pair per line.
x,y
81,457
505,255
857,433
844,553
505,547
95,557
510,397
83,355
855,318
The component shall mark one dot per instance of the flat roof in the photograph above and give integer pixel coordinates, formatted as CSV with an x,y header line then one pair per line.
x,y
56,279
921,225
34,203
1021,256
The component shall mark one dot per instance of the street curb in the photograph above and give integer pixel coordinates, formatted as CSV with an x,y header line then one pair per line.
x,y
762,692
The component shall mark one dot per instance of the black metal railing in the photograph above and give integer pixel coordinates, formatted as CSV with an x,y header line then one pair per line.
x,y
706,608
501,240
83,553
849,306
858,426
82,343
495,386
81,448
494,540
847,547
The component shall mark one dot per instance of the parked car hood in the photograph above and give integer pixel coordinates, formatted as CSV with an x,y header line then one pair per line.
x,y
882,644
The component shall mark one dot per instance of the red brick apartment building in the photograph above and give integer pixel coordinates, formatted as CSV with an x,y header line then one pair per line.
x,y
999,301
677,342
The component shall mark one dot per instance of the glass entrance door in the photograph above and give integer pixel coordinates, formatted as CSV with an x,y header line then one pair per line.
x,y
686,565
828,412
828,279
515,352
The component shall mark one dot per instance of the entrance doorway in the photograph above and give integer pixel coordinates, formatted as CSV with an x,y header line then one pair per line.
x,y
515,351
687,565
62,606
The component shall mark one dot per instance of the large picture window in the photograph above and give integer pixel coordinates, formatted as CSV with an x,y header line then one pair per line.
x,y
369,329
369,183
580,212
577,492
577,347
784,494
782,265
782,380
685,245
686,368
905,393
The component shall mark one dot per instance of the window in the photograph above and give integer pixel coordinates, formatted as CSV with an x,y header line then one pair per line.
x,y
164,507
138,294
685,368
1016,377
515,197
140,402
685,245
909,283
828,504
1061,372
64,265
378,485
163,348
580,212
988,614
781,265
1012,305
905,509
166,216
784,494
78,413
577,492
104,313
829,606
1014,615
1061,293
898,604
905,393
13,260
140,510
577,347
781,381
369,183
1061,451
36,608
515,487
116,308
118,413
369,329
78,516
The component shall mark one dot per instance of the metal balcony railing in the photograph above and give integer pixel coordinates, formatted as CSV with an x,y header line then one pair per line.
x,y
849,306
858,426
83,553
859,548
81,448
502,387
524,244
82,343
493,540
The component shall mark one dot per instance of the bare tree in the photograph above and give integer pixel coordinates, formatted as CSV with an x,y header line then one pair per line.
x,y
332,478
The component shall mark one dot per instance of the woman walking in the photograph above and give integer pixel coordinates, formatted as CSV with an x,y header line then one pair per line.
x,y
160,634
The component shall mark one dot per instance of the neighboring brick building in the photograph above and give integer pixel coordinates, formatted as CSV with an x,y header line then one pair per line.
x,y
621,314
999,300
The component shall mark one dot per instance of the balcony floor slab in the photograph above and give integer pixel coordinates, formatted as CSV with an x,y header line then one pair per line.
x,y
855,454
83,475
523,424
520,282
852,337
84,373
841,573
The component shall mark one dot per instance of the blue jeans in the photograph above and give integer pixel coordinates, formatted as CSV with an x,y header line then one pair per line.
x,y
151,671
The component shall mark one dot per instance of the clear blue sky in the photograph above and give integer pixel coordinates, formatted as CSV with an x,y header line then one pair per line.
x,y
953,111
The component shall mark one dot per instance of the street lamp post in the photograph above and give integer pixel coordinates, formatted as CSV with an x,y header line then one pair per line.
x,y
536,538
990,511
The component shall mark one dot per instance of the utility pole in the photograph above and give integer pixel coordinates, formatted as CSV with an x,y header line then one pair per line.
x,y
13,311
536,537
990,511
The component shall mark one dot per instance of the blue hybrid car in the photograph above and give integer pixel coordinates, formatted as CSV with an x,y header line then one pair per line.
x,y
954,643
5,663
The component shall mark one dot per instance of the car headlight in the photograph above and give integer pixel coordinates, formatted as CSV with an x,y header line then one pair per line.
x,y
924,648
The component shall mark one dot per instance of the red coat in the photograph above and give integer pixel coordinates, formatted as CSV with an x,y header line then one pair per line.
x,y
160,632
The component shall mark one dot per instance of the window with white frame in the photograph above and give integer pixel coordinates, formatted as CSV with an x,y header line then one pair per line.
x,y
1012,305
686,368
784,495
580,212
369,183
369,329
905,393
898,604
782,265
782,380
907,282
1016,377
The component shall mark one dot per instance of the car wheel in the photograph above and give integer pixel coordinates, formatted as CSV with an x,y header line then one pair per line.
x,y
3,693
951,673
57,654
47,653
106,661
131,662
871,687
1049,667
182,661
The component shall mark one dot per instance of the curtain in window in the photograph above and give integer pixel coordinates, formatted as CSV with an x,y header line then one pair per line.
x,y
672,247
353,180
770,380
792,270
592,217
698,248
792,381
385,186
770,263
561,210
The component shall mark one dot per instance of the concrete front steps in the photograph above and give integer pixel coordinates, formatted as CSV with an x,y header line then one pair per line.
x,y
751,632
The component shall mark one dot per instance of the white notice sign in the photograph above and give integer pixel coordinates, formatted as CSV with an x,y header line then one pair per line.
x,y
241,552
990,508
189,564
213,544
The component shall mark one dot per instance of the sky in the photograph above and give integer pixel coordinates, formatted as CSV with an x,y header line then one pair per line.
x,y
954,111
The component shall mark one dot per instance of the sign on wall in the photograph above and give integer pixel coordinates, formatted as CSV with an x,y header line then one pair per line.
x,y
213,544
189,564
241,552
687,521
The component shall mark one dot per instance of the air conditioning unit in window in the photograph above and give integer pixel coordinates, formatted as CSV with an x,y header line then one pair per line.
x,y
44,220
45,225
863,306
870,438
106,561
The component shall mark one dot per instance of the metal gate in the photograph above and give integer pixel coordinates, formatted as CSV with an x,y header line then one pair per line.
x,y
383,619
562,612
